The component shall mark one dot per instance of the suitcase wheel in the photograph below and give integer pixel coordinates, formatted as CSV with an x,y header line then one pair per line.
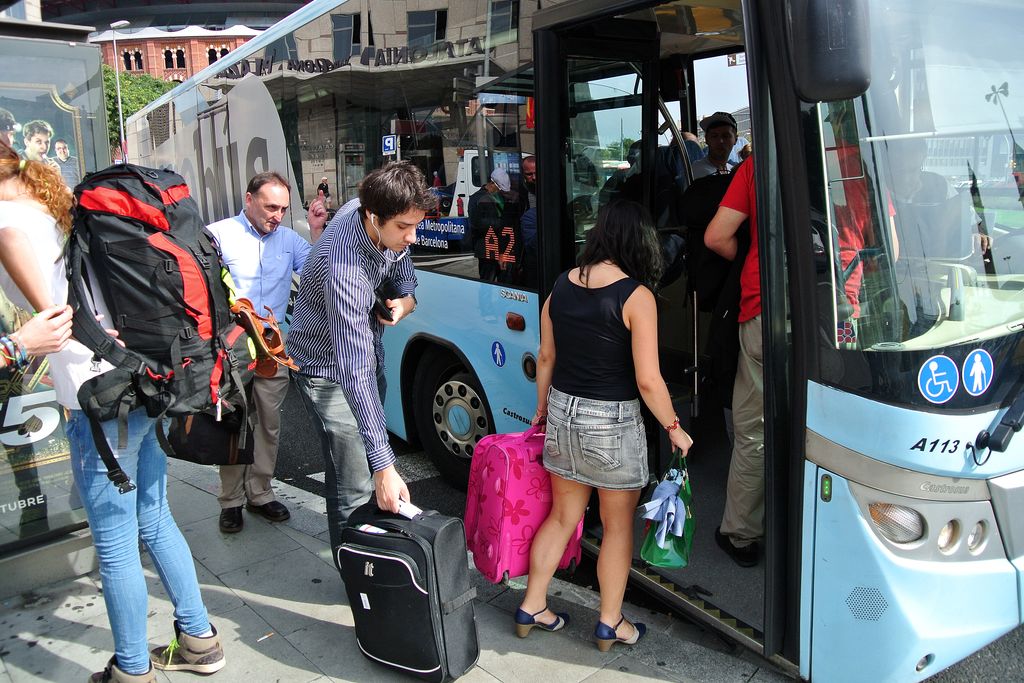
x,y
572,566
504,577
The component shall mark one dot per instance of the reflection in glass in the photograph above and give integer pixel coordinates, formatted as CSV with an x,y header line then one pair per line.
x,y
922,244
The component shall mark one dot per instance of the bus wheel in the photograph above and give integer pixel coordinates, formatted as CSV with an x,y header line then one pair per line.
x,y
451,415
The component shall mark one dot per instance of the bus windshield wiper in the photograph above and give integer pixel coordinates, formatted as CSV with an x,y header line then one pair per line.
x,y
1009,424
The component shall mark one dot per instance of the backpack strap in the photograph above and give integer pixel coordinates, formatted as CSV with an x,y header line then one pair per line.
x,y
85,327
115,474
110,396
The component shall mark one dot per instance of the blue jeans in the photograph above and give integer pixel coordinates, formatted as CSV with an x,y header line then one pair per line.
x,y
348,482
118,520
597,443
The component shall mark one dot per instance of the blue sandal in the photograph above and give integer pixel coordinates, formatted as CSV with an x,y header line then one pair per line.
x,y
526,621
607,636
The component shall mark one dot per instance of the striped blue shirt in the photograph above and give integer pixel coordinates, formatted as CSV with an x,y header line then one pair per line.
x,y
260,265
335,334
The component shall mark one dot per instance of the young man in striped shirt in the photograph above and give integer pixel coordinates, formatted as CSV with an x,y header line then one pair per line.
x,y
336,334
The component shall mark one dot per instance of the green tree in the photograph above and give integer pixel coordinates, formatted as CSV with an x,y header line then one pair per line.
x,y
619,150
136,92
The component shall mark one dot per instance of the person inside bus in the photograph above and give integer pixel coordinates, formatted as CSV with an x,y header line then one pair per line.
x,y
261,254
35,219
336,331
528,185
692,146
742,525
720,135
490,213
531,263
589,404
624,183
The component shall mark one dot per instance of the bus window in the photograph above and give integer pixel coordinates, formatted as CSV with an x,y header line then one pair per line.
x,y
603,149
721,86
919,245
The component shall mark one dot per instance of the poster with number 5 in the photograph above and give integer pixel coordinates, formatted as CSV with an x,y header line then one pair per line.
x,y
37,494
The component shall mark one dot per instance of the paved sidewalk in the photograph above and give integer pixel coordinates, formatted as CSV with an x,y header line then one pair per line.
x,y
278,602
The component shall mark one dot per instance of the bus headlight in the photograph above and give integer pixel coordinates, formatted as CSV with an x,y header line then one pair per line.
x,y
898,523
976,539
949,536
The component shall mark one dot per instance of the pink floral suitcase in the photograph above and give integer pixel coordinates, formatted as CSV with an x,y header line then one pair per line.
x,y
509,497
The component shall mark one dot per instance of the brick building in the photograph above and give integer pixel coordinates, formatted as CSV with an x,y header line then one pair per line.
x,y
168,39
170,55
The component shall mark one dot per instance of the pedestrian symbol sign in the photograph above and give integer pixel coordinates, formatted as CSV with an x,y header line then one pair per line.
x,y
498,354
389,145
977,372
938,379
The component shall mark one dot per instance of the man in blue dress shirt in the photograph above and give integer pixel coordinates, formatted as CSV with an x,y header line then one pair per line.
x,y
336,333
261,254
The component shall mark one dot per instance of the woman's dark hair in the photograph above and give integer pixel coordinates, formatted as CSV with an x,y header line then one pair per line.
x,y
625,235
394,189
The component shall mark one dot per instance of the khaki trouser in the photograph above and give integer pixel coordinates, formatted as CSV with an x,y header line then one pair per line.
x,y
743,519
239,483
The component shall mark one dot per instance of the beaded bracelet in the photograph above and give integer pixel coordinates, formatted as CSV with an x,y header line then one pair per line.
x,y
8,350
674,425
12,352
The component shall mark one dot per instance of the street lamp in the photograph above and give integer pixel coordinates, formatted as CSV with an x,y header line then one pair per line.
x,y
117,84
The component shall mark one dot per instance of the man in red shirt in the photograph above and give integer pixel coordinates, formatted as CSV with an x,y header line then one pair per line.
x,y
743,521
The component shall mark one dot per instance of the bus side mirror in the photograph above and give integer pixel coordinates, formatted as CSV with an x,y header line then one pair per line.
x,y
829,48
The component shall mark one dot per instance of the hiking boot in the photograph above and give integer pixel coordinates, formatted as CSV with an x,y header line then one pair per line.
x,y
745,556
189,653
112,674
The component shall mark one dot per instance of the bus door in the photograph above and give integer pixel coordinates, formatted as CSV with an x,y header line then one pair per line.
x,y
603,90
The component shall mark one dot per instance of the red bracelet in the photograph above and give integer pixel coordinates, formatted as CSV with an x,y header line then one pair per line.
x,y
674,425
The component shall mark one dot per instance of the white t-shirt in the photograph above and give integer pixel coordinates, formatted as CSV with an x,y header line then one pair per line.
x,y
703,167
70,368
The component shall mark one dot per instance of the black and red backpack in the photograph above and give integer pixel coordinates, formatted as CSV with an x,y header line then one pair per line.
x,y
139,237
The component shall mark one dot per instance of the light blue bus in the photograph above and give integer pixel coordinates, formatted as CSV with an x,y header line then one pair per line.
x,y
889,222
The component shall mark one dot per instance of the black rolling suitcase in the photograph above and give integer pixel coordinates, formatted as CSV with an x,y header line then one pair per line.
x,y
408,584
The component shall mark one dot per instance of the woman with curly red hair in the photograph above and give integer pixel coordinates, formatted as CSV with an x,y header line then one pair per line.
x,y
35,221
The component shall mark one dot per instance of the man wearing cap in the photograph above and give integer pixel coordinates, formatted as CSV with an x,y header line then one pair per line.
x,y
8,126
489,212
720,135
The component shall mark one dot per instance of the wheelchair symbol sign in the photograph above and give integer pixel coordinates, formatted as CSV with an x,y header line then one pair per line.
x,y
938,379
388,144
977,372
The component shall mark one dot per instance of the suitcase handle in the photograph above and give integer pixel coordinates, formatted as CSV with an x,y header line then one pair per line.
x,y
532,432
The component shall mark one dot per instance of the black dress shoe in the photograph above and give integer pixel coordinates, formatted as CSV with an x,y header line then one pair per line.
x,y
231,520
744,557
274,511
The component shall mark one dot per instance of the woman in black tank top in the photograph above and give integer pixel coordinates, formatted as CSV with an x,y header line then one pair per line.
x,y
601,323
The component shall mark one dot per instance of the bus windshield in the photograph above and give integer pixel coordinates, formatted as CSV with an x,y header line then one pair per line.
x,y
920,242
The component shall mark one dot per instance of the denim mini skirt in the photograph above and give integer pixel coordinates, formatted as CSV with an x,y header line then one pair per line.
x,y
598,443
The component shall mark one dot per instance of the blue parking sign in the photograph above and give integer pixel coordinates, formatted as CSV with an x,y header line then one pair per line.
x,y
389,144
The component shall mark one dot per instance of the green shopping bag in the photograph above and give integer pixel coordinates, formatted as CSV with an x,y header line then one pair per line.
x,y
667,542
